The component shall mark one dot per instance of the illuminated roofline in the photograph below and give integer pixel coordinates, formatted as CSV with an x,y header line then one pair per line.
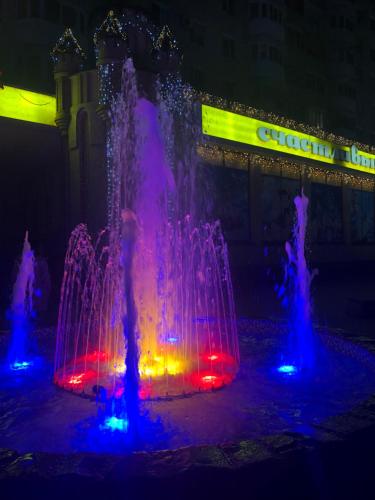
x,y
282,121
242,129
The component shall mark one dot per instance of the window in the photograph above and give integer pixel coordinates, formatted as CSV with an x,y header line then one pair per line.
x,y
82,24
263,51
264,9
254,52
342,23
346,90
155,13
274,54
184,21
326,216
197,78
35,8
372,55
228,47
52,11
159,14
316,117
197,34
295,38
228,88
346,56
372,24
254,10
22,9
68,16
228,6
362,216
296,5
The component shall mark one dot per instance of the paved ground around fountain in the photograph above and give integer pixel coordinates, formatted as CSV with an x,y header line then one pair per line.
x,y
36,416
262,437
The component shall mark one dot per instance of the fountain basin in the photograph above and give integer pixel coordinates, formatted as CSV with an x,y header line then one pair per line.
x,y
259,403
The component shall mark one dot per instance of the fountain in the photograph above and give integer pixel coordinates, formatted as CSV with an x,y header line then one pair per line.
x,y
156,272
295,293
21,309
147,313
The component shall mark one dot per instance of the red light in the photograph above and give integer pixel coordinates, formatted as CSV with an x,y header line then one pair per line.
x,y
208,380
219,357
80,378
95,356
213,357
76,379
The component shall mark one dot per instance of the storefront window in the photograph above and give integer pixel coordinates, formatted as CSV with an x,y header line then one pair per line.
x,y
224,194
278,212
362,216
325,213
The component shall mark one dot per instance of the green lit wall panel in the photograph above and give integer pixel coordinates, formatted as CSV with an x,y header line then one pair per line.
x,y
27,106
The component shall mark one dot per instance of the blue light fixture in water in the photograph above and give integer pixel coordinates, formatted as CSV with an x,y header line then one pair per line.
x,y
20,365
172,340
115,424
287,369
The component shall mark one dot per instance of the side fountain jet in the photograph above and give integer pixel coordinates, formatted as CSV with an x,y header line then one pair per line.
x,y
21,309
296,296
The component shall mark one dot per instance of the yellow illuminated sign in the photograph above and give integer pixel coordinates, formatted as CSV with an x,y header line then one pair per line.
x,y
233,127
27,106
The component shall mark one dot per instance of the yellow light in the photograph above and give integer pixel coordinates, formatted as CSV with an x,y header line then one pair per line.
x,y
159,366
246,130
27,106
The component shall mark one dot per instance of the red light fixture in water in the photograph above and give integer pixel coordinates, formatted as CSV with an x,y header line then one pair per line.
x,y
213,357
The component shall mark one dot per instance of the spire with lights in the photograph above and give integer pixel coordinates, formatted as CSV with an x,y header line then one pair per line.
x,y
67,44
110,28
165,41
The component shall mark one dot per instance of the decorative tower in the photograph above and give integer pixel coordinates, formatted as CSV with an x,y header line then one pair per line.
x,y
111,44
166,55
68,58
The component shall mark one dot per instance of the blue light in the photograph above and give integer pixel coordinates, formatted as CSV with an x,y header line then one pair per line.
x,y
287,369
23,365
172,340
115,424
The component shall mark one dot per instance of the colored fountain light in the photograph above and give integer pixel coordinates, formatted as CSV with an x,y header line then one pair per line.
x,y
156,271
287,369
115,424
21,365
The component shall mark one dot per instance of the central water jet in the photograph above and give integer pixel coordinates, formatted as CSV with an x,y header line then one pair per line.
x,y
178,300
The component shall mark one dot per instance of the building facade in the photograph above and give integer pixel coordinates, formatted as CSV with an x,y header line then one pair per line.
x,y
265,55
251,184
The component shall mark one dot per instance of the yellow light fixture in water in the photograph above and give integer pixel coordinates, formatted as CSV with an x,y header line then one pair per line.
x,y
24,105
159,366
153,367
